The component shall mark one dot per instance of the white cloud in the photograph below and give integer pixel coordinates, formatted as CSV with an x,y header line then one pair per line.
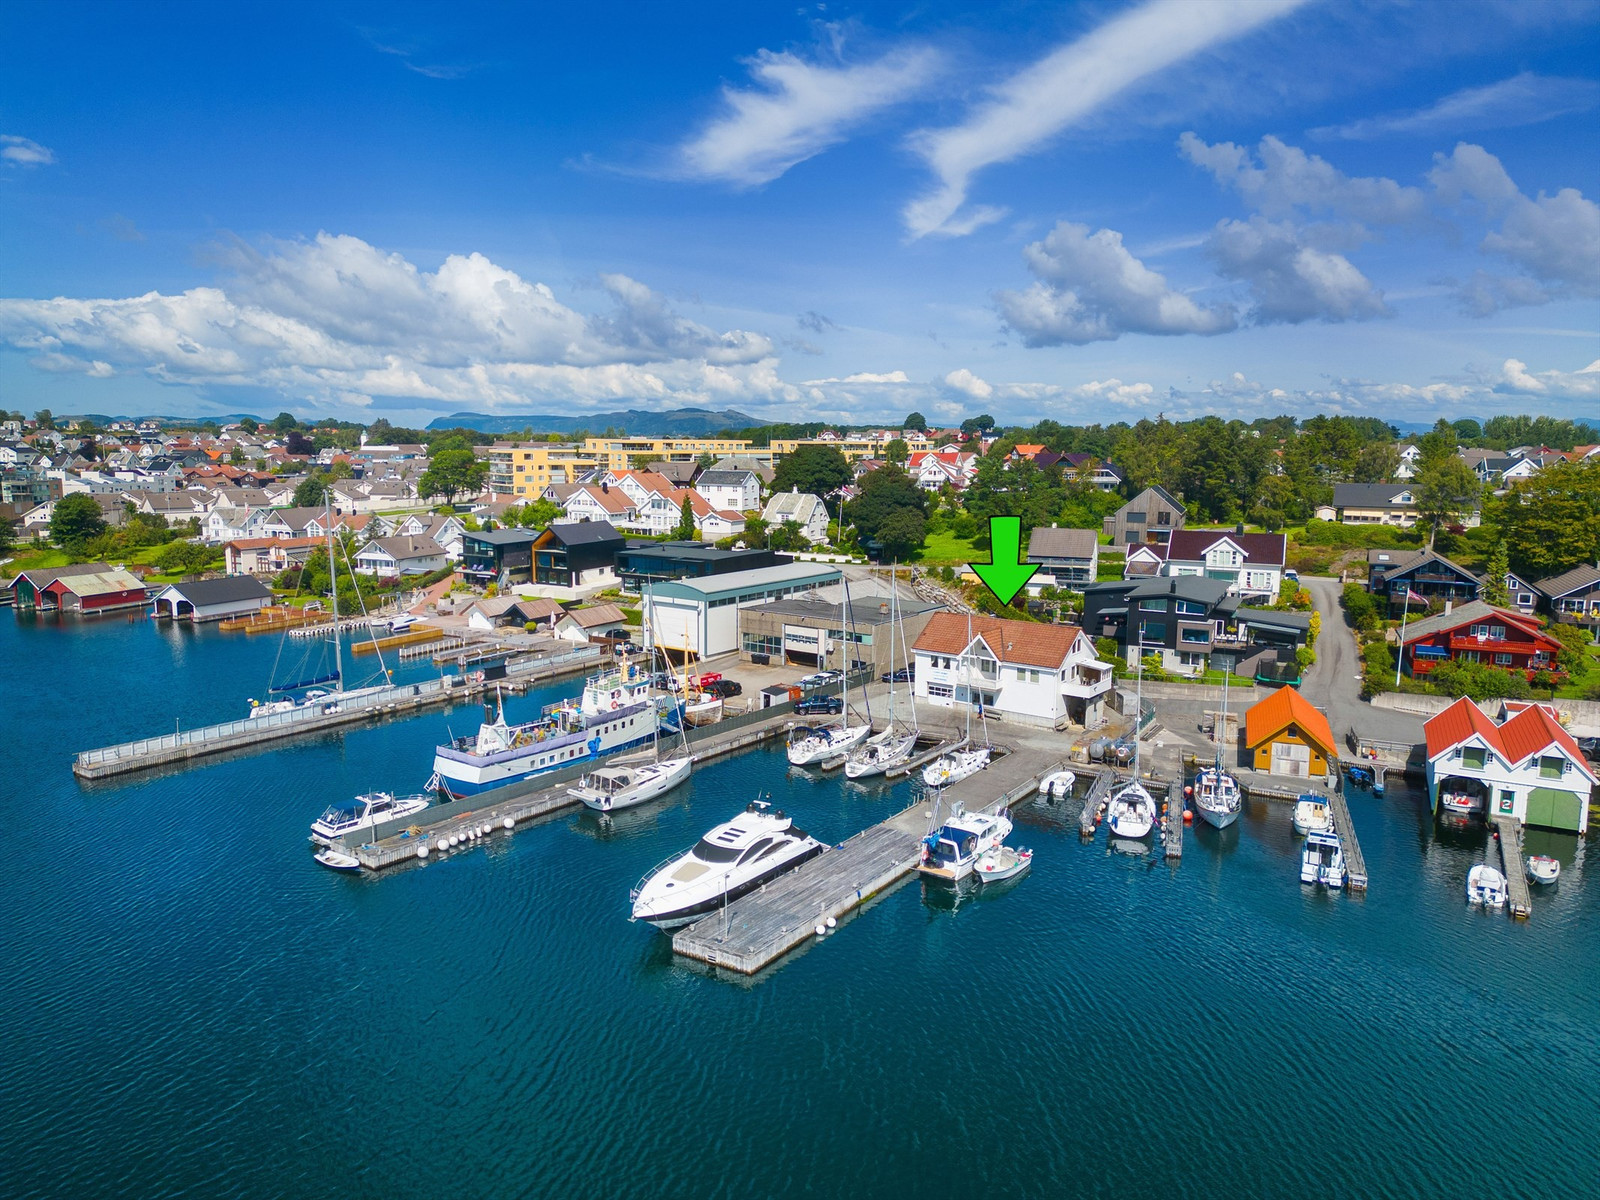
x,y
1090,288
966,382
336,316
1289,280
1555,239
863,377
801,109
1289,180
1034,105
1514,377
1524,99
24,152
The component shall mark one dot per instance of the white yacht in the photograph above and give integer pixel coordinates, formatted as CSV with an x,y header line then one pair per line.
x,y
373,808
1132,812
955,766
880,752
1322,859
611,788
1058,784
736,857
1312,815
1217,797
951,852
809,746
1486,886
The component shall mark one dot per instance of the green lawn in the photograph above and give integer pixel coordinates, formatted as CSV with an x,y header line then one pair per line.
x,y
945,547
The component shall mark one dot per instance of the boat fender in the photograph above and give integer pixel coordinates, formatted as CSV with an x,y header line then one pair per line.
x,y
1188,817
442,846
422,852
822,931
831,923
509,823
1188,791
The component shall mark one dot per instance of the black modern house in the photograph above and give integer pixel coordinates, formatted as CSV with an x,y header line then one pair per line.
x,y
642,563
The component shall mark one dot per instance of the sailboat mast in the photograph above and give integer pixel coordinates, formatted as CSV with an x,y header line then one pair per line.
x,y
333,588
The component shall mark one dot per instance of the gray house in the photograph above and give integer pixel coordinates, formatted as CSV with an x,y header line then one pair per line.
x,y
1067,557
1149,519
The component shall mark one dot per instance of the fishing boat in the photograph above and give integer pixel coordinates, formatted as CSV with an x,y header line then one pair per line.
x,y
735,857
1461,804
895,744
366,811
1312,814
1057,784
1217,796
1543,869
1001,863
615,711
1322,859
704,708
1486,886
950,853
337,860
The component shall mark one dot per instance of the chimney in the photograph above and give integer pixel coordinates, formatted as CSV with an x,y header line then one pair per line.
x,y
1448,605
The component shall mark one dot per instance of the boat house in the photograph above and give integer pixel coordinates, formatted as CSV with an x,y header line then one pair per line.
x,y
212,599
103,590
595,622
28,588
1286,735
1527,767
806,631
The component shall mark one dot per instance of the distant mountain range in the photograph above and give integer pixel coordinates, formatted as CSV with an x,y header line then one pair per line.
x,y
636,422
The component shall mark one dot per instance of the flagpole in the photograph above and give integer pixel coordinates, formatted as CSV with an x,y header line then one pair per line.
x,y
1400,651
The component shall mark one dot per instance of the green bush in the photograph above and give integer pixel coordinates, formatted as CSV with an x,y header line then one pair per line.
x,y
1360,607
1350,537
1479,681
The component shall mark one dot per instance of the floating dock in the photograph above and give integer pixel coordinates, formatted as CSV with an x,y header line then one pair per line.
x,y
1519,902
758,929
1355,862
252,733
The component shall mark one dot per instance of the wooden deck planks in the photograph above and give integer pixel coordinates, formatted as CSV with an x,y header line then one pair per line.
x,y
1519,900
1355,862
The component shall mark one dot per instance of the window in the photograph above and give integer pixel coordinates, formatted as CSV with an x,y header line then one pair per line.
x,y
1134,518
1552,767
1502,660
1474,757
1153,631
940,691
1202,636
763,643
1190,608
1153,604
1163,518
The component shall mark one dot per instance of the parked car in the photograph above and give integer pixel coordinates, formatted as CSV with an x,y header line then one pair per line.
x,y
814,681
820,705
667,681
721,687
903,675
1292,575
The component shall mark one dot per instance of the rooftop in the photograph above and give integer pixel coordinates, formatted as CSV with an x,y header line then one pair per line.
x,y
1027,642
742,582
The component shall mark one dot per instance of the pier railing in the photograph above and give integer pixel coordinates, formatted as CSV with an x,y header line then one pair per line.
x,y
311,714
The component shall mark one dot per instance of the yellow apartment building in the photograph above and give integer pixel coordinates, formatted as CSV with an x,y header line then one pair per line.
x,y
852,446
618,453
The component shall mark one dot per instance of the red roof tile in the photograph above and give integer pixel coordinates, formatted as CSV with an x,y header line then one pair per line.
x,y
1532,730
1027,643
1456,724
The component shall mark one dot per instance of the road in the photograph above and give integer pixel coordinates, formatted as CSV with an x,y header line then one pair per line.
x,y
1334,683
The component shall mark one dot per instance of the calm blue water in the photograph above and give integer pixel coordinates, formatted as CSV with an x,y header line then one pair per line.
x,y
191,1006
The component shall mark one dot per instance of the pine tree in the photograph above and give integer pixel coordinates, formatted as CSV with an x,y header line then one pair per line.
x,y
685,530
1495,591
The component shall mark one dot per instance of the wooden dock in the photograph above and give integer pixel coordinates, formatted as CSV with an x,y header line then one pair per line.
x,y
758,929
1355,862
1098,791
1519,902
421,636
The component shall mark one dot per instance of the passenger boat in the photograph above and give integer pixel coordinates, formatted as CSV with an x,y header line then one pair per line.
x,y
1486,886
1057,784
1312,814
337,860
1461,804
1000,863
951,852
1322,859
607,789
735,857
373,808
1131,812
955,766
1544,869
615,711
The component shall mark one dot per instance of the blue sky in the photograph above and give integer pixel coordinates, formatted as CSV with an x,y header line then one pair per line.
x,y
1091,212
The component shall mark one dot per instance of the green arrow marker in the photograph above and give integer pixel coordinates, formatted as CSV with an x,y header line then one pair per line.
x,y
1005,573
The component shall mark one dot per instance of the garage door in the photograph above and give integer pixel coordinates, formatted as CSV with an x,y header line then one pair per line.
x,y
1552,808
1289,758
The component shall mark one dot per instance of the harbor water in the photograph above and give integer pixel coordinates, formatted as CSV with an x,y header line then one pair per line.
x,y
191,1006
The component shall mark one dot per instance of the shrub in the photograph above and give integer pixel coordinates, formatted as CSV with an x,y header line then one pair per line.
x,y
1360,608
1479,681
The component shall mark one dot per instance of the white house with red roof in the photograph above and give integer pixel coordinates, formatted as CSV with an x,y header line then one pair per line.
x,y
647,502
1021,670
932,469
1251,563
1526,766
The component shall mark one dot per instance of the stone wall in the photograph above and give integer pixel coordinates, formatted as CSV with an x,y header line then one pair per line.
x,y
1581,718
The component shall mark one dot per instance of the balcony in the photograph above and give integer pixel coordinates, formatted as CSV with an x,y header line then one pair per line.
x,y
1086,683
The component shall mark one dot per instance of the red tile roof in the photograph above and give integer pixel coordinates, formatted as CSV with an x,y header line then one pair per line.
x,y
1530,730
1285,707
1019,643
1456,724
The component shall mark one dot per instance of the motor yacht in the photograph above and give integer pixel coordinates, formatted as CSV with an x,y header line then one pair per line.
x,y
735,857
825,742
608,789
951,852
1132,812
1461,804
1057,784
1486,886
1322,859
373,808
955,766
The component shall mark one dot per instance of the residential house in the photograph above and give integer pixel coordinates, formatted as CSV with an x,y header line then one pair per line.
x,y
222,525
1527,767
1251,563
1478,633
1180,619
1032,673
1526,597
1099,473
679,474
763,470
1419,575
444,528
933,469
1371,504
391,557
1286,735
1409,454
736,490
588,624
801,509
267,555
577,555
501,555
175,506
1572,596
601,502
1068,558
1150,519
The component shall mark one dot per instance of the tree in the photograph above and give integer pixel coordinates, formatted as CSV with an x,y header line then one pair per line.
x,y
897,451
311,492
884,492
1551,523
451,473
1446,489
8,534
341,469
249,424
284,422
76,520
817,470
1467,429
916,421
536,514
901,534
45,419
1376,462
684,531
295,442
977,425
1495,591
236,455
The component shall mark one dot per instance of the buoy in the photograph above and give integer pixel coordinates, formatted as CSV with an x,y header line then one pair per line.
x,y
1188,817
822,931
510,824
422,852
831,922
454,840
487,829
1188,791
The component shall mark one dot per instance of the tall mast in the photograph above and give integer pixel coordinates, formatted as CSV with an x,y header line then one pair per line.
x,y
333,588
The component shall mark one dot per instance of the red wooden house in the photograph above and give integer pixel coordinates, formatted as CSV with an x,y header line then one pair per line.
x,y
1479,633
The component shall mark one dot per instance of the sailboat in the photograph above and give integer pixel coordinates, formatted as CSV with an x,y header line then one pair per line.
x,y
958,764
894,745
828,742
1132,811
1217,797
609,789
308,693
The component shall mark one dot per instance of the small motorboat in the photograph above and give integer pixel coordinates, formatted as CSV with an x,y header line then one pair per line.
x,y
1132,812
704,709
611,788
1312,815
1486,886
1461,804
1361,777
337,860
950,853
1544,869
1001,862
1057,784
1322,859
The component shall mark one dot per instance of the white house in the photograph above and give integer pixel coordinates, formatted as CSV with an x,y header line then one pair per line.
x,y
1527,767
232,524
394,556
444,528
585,624
802,509
738,490
1408,462
1251,563
1020,670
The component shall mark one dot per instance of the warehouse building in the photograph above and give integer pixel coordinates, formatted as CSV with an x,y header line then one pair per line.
x,y
700,617
809,631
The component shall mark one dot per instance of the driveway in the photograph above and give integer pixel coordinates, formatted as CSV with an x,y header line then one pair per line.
x,y
1334,683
